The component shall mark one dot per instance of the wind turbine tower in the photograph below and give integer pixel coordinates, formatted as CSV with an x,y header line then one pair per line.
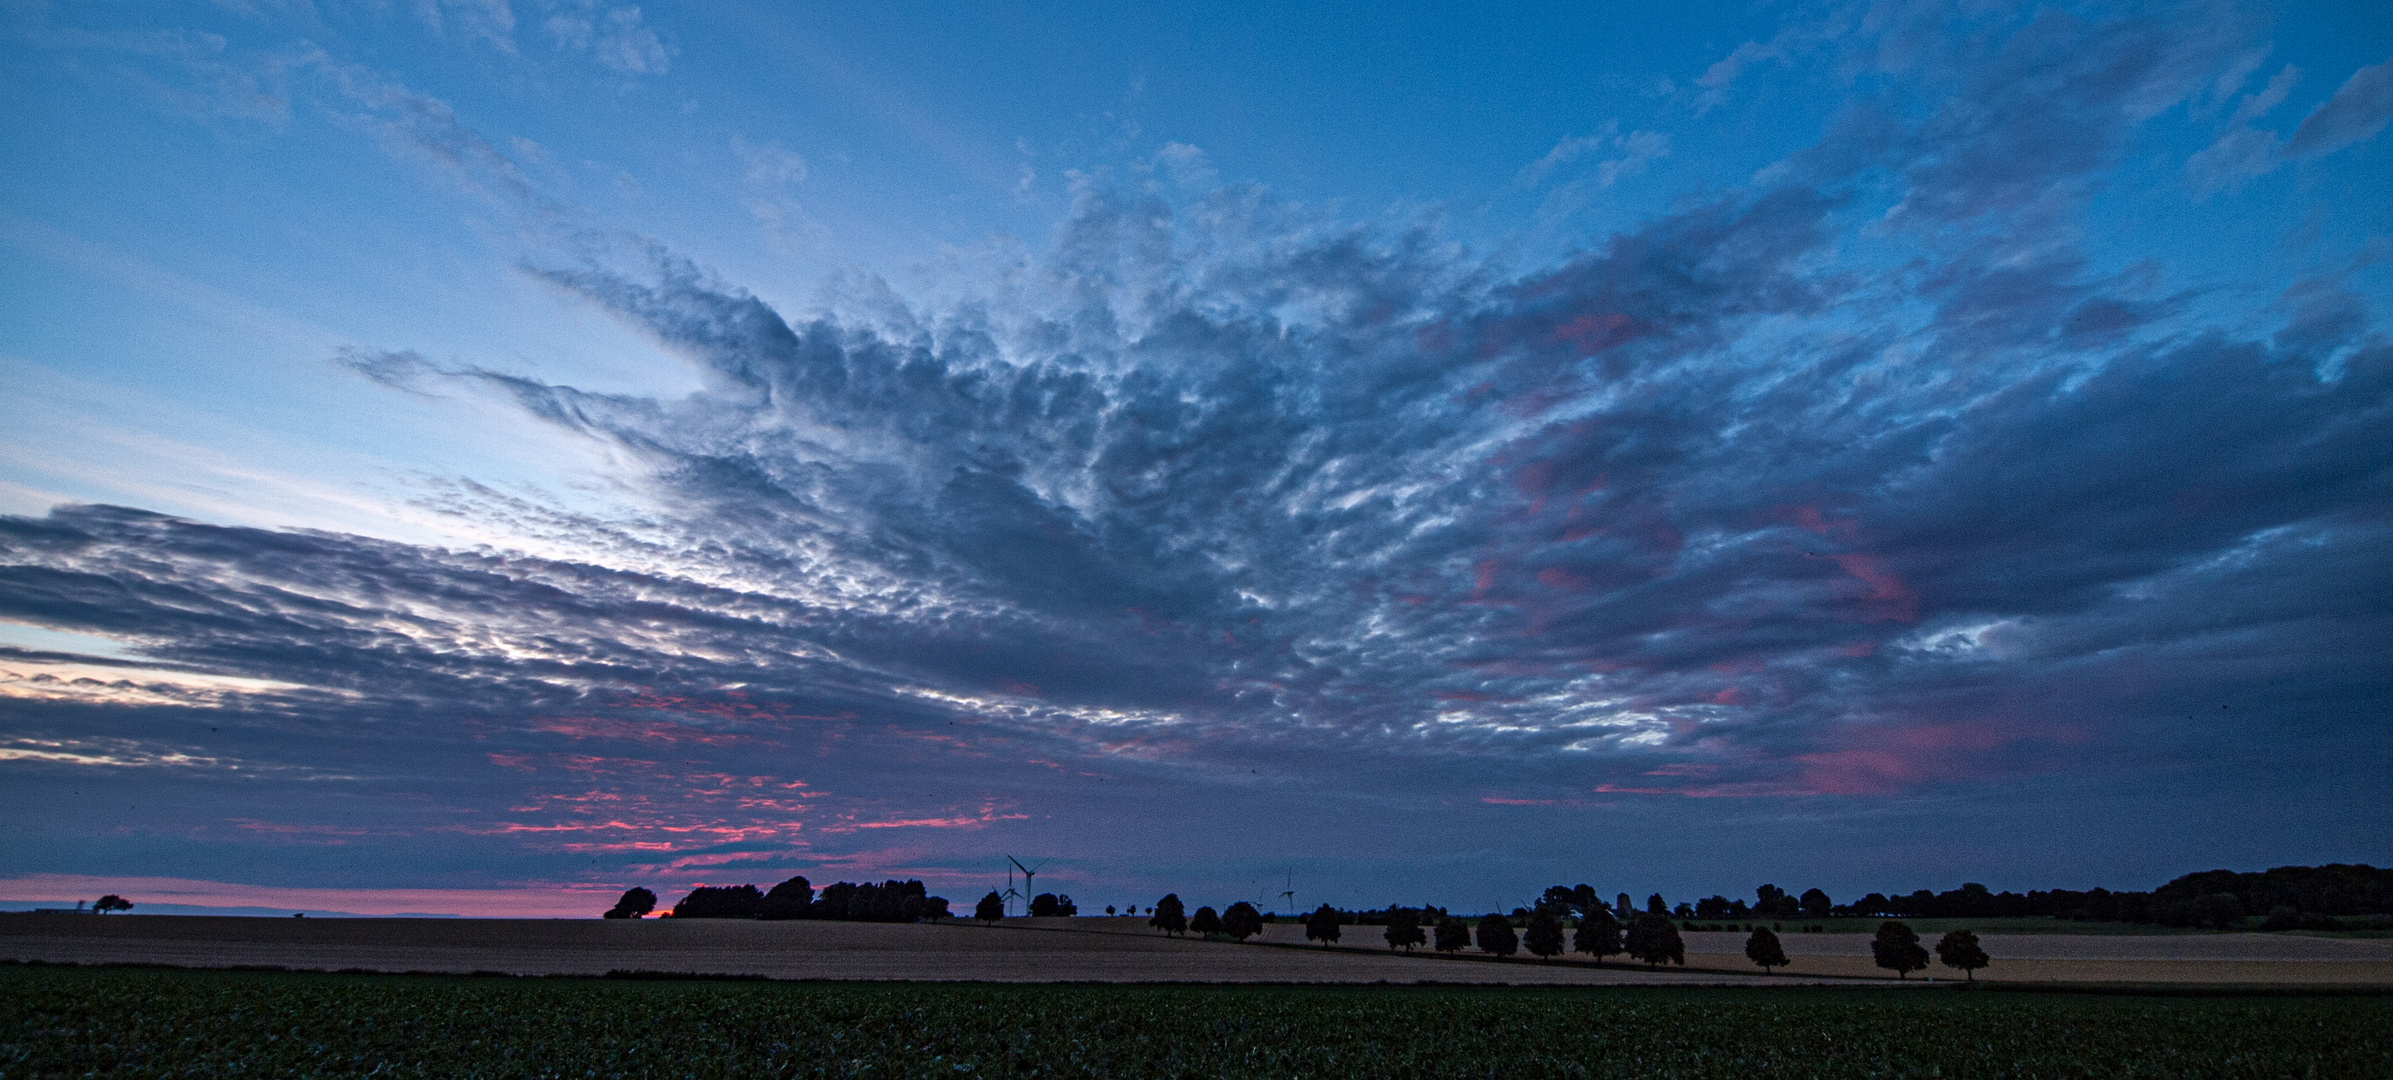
x,y
1027,874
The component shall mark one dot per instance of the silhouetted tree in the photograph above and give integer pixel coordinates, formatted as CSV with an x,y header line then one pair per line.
x,y
635,903
1453,934
1959,949
1598,935
1496,935
1897,949
1561,898
111,902
1763,949
1171,916
935,907
1404,930
1655,905
1816,905
792,899
1654,939
720,902
1049,906
1322,925
1205,921
1543,936
990,909
1241,921
2220,910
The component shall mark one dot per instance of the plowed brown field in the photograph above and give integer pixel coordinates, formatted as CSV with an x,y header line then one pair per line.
x,y
1100,950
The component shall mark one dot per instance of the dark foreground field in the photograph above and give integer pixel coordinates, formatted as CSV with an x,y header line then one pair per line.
x,y
64,1021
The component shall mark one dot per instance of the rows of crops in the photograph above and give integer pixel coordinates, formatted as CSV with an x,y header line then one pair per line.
x,y
135,1023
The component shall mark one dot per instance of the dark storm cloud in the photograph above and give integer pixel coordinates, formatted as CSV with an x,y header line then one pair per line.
x,y
1861,481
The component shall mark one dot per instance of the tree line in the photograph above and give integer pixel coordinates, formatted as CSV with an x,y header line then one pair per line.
x,y
889,901
2292,897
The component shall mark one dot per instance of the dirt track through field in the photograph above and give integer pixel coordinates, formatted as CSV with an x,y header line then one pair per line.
x,y
1099,950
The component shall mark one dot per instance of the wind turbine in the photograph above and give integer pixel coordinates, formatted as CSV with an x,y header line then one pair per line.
x,y
1289,894
1027,875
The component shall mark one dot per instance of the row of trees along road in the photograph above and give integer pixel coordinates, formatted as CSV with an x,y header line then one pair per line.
x,y
1648,936
889,901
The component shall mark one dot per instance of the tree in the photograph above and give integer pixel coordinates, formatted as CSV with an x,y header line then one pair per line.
x,y
1816,904
1543,936
2221,910
1653,939
720,902
1599,934
1205,921
1404,930
1241,921
1763,949
111,902
1171,916
1322,925
990,909
1655,905
635,903
792,899
934,907
1496,935
1897,949
1453,934
1045,906
1959,949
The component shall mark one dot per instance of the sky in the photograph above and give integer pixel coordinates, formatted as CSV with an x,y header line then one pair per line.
x,y
477,456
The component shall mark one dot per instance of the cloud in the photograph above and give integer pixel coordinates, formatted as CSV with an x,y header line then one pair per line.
x,y
488,21
1221,495
2356,112
614,36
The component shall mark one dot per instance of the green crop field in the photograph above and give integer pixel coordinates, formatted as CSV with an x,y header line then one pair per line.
x,y
64,1021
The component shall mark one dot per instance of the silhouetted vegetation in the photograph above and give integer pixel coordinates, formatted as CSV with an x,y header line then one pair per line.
x,y
720,902
636,902
1598,935
1496,936
889,901
792,899
1763,948
1404,930
1453,935
2307,897
1170,916
1653,940
1322,926
990,909
1241,921
1205,921
1959,950
1050,905
111,902
1543,936
1897,949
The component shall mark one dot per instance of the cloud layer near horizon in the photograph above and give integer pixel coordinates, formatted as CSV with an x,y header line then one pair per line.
x,y
1863,481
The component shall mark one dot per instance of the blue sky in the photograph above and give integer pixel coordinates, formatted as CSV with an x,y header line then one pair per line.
x,y
475,456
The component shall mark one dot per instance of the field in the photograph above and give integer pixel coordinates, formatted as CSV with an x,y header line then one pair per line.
x,y
122,1022
1110,950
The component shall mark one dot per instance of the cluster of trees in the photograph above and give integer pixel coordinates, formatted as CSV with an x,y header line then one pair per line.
x,y
889,901
2292,896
